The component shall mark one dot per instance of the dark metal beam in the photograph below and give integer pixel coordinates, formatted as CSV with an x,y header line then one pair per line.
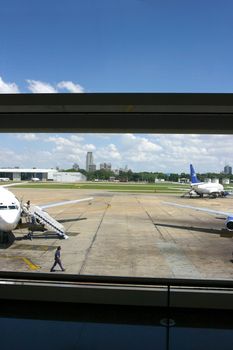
x,y
147,113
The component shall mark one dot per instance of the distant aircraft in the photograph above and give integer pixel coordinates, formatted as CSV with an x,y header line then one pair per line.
x,y
229,216
12,212
35,179
205,188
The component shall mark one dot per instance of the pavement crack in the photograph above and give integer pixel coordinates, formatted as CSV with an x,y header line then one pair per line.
x,y
150,218
94,238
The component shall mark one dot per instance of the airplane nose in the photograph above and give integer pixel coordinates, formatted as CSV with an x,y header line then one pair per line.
x,y
8,220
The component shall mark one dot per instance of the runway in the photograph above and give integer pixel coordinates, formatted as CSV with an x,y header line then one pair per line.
x,y
123,234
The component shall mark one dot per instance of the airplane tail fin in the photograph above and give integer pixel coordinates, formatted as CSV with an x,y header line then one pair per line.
x,y
193,175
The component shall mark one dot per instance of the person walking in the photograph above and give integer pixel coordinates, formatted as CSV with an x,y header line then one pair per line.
x,y
57,260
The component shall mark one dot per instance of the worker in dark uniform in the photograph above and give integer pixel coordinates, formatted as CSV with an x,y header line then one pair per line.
x,y
57,260
29,216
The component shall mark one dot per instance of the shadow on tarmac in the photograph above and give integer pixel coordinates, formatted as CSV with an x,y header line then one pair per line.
x,y
47,235
6,239
202,229
71,220
35,235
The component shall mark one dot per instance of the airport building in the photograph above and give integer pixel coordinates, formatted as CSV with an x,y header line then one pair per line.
x,y
17,174
61,176
225,181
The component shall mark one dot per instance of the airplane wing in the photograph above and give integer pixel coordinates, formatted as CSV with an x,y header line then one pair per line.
x,y
207,210
50,205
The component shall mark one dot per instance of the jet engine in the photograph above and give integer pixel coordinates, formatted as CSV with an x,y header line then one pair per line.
x,y
229,223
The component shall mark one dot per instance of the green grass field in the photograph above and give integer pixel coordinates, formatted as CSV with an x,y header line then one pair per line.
x,y
119,187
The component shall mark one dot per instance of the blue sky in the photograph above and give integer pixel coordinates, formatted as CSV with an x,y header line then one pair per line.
x,y
82,46
118,46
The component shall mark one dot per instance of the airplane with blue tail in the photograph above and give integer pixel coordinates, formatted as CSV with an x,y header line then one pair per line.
x,y
202,189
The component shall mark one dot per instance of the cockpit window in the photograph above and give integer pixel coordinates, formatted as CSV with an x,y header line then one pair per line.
x,y
2,207
12,207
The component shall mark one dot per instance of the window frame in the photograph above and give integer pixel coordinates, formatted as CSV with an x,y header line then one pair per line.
x,y
107,113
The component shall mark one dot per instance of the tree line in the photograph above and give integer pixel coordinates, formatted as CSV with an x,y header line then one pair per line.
x,y
144,176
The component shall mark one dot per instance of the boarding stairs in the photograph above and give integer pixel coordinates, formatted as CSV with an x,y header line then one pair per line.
x,y
45,219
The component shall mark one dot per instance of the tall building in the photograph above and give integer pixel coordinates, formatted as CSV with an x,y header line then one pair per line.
x,y
227,170
90,166
106,166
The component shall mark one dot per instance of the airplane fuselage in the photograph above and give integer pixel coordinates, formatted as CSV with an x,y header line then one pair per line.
x,y
207,188
11,213
10,210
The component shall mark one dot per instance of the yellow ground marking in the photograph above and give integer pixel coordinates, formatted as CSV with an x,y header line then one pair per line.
x,y
26,260
30,264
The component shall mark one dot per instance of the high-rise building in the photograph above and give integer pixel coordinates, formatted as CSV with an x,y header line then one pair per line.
x,y
106,166
90,166
227,170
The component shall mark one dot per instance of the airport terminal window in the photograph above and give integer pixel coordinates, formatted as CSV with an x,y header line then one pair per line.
x,y
124,46
142,210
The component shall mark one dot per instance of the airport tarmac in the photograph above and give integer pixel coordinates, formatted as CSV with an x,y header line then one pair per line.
x,y
126,234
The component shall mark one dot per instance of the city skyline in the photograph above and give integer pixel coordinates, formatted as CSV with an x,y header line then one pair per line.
x,y
139,152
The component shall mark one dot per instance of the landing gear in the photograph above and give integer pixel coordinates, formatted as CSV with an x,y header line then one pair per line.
x,y
29,235
6,239
215,195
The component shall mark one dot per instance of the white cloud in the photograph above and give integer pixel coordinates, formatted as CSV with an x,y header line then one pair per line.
x,y
206,152
167,153
127,139
70,86
140,152
147,146
60,141
11,158
8,88
108,154
141,144
39,87
27,137
89,147
76,138
69,149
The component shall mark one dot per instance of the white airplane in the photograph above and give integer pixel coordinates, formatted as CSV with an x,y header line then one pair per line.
x,y
229,216
12,212
5,179
205,188
35,179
